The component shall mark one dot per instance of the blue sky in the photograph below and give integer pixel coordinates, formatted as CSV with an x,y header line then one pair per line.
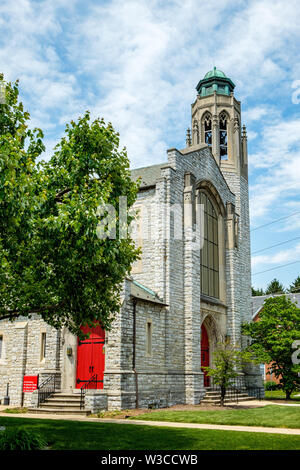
x,y
136,63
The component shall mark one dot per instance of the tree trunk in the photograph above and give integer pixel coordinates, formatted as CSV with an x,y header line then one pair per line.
x,y
223,393
288,394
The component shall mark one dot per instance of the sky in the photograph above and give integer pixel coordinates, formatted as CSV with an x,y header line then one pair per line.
x,y
136,63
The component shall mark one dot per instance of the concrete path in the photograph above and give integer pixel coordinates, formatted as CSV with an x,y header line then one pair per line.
x,y
167,424
256,403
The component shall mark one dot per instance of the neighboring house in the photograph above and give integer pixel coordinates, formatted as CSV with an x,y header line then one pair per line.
x,y
257,306
181,299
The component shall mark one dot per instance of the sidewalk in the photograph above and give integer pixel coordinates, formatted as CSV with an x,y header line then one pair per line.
x,y
167,424
256,403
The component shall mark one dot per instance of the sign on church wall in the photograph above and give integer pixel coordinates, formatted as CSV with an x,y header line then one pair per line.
x,y
30,383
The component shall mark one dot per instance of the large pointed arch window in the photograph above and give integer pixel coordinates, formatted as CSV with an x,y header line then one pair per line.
x,y
210,250
223,136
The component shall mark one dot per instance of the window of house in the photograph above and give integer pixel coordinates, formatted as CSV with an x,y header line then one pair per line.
x,y
1,346
43,346
149,338
223,137
210,250
207,130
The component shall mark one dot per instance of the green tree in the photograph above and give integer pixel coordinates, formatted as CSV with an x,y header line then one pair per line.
x,y
228,361
295,286
275,287
52,261
257,292
273,339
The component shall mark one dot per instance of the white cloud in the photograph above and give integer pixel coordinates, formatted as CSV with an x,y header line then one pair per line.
x,y
137,62
277,166
281,257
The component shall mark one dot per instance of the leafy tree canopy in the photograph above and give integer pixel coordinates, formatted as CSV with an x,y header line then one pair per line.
x,y
257,292
273,339
228,362
295,286
275,287
52,261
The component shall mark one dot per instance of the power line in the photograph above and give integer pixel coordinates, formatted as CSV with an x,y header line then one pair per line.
x,y
276,267
274,221
273,246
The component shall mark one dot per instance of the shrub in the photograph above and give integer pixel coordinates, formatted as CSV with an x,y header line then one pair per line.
x,y
20,439
15,410
270,385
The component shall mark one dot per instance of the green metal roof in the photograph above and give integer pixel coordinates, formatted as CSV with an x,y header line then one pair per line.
x,y
215,81
150,291
215,73
139,291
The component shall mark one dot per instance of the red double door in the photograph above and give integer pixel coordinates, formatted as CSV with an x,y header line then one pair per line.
x,y
205,354
91,358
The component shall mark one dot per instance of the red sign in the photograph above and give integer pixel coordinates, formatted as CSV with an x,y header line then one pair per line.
x,y
30,383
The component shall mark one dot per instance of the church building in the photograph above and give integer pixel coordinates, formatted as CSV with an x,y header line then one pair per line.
x,y
190,289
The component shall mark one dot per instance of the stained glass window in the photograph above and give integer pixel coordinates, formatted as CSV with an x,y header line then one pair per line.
x,y
223,137
207,130
210,249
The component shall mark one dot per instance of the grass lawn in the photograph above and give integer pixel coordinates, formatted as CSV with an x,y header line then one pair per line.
x,y
270,416
280,395
78,435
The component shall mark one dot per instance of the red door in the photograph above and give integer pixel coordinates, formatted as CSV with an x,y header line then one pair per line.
x,y
91,358
205,354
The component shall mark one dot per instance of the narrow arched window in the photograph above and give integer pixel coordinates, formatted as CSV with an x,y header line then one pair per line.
x,y
210,250
223,136
207,130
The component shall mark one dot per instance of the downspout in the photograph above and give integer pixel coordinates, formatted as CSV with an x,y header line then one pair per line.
x,y
134,354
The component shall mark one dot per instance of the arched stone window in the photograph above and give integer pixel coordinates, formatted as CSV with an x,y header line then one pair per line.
x,y
210,249
223,136
207,129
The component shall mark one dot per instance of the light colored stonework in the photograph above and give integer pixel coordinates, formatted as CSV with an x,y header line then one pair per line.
x,y
169,373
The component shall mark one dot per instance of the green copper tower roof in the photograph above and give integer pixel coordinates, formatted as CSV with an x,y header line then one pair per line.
x,y
215,73
215,80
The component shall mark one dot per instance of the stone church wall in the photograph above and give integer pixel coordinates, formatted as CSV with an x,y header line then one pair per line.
x,y
22,355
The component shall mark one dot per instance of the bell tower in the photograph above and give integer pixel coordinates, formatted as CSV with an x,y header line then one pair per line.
x,y
216,121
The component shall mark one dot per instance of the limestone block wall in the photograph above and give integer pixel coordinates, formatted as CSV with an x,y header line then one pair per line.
x,y
239,275
239,260
95,401
202,165
125,377
170,266
175,263
22,355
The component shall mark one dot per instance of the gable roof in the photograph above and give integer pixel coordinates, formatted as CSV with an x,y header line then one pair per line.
x,y
258,301
148,174
139,291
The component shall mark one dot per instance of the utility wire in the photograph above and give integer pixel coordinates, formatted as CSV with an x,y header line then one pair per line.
x,y
276,267
273,246
274,221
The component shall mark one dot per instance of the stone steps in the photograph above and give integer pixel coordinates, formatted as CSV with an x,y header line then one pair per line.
x,y
59,411
217,395
61,403
212,397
